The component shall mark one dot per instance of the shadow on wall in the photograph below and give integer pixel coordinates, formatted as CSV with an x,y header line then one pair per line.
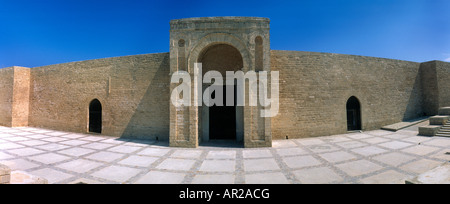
x,y
150,119
414,107
430,91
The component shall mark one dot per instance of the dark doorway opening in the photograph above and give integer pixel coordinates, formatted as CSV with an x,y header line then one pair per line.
x,y
222,119
222,123
95,116
353,114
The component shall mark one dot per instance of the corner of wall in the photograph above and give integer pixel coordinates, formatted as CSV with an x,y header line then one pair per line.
x,y
443,81
430,91
20,97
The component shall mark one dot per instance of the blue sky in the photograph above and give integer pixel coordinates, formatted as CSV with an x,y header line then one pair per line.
x,y
43,32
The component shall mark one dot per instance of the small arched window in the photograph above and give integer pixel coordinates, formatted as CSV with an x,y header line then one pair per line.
x,y
181,43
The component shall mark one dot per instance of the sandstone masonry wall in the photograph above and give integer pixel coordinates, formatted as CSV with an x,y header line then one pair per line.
x,y
435,85
430,91
6,95
133,91
314,89
14,96
20,105
135,95
443,81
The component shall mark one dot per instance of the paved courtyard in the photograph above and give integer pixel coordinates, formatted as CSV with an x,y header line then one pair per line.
x,y
369,157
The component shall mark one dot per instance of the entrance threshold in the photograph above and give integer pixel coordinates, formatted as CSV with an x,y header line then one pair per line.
x,y
222,143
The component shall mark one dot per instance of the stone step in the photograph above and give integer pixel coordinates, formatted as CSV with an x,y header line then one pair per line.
x,y
442,135
444,111
439,120
444,129
429,130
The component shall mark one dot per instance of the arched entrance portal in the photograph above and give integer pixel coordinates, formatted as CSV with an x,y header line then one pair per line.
x,y
221,122
353,114
95,116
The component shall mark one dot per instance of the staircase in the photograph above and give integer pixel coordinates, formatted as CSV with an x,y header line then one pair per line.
x,y
439,124
445,130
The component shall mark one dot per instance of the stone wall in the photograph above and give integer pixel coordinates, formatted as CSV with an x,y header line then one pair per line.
x,y
135,95
429,84
14,96
443,81
6,95
133,91
314,89
20,105
435,85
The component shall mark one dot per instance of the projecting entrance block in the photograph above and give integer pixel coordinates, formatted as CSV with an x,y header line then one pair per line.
x,y
439,120
429,130
444,111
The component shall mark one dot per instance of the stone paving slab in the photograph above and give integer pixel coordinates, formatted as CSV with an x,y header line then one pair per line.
x,y
358,168
387,177
301,161
213,154
266,178
187,154
260,165
116,173
138,161
377,156
214,179
105,156
438,175
318,175
218,166
159,177
176,164
52,175
334,157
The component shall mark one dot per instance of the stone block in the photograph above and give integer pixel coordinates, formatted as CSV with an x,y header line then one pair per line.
x,y
438,120
21,177
5,179
429,130
5,173
444,111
